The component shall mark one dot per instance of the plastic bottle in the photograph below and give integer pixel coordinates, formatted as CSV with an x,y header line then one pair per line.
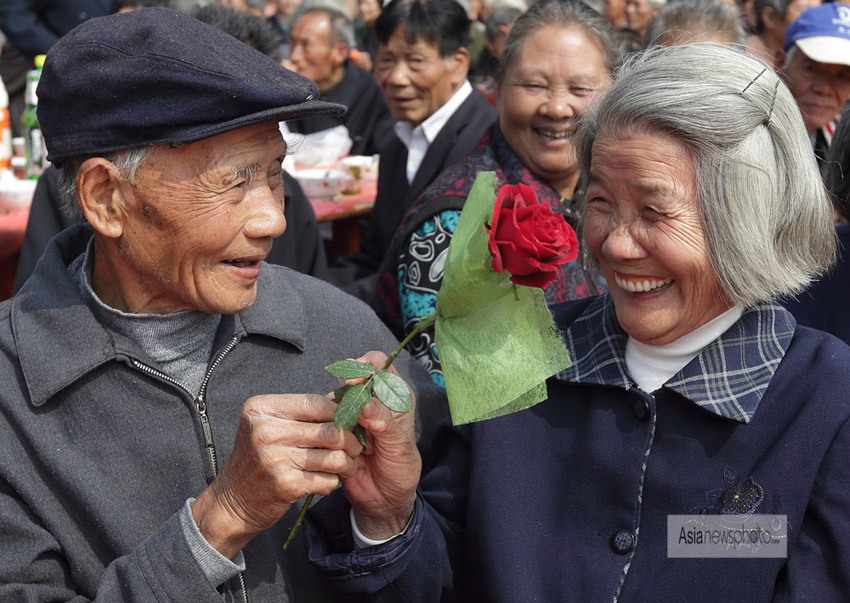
x,y
33,140
5,130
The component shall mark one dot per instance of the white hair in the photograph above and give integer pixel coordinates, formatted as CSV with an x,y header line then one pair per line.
x,y
764,208
127,161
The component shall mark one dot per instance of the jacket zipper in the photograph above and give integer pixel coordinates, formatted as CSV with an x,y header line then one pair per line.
x,y
201,407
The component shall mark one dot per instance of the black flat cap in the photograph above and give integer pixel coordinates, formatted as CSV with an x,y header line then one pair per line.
x,y
157,76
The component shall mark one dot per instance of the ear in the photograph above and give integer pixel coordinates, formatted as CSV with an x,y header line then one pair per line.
x,y
459,67
339,53
768,18
102,195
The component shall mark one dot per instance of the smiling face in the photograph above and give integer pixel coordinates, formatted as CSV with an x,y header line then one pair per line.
x,y
553,78
415,79
191,231
644,226
639,15
820,89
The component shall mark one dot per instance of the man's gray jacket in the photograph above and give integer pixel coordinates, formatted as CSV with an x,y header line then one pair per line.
x,y
99,453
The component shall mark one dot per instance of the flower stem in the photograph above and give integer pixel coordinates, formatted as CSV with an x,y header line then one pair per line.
x,y
426,322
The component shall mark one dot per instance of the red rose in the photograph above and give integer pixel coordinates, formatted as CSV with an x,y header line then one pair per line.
x,y
528,239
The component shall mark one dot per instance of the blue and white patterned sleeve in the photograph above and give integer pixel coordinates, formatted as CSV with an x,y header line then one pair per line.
x,y
420,273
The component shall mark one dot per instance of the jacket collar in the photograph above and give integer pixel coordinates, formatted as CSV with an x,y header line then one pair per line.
x,y
58,339
727,378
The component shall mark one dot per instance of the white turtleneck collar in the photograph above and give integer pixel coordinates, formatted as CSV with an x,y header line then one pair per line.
x,y
652,365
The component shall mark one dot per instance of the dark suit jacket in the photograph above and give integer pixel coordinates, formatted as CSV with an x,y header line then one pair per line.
x,y
34,26
368,118
300,247
461,133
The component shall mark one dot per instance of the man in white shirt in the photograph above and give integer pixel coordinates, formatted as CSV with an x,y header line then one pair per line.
x,y
421,67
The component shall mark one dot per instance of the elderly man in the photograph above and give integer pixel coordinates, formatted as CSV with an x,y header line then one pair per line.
x,y
422,67
155,414
640,14
817,69
321,40
772,20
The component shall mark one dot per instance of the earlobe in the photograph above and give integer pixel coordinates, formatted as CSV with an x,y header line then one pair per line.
x,y
100,195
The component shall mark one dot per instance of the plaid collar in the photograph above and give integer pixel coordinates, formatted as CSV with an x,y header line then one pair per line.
x,y
728,377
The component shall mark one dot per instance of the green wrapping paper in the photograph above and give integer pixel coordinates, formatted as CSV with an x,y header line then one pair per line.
x,y
496,340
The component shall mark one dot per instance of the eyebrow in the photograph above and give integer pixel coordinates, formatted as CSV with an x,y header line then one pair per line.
x,y
246,171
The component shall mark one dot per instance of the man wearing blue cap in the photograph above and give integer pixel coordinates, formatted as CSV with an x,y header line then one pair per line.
x,y
156,426
817,69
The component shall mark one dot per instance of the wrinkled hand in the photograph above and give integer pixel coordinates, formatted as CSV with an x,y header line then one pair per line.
x,y
383,489
286,447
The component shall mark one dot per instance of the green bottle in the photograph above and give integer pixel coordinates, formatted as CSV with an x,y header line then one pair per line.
x,y
33,140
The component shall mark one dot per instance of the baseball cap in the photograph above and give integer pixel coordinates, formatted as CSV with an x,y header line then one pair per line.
x,y
822,33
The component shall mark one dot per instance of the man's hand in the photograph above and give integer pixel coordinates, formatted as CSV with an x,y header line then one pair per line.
x,y
383,489
286,447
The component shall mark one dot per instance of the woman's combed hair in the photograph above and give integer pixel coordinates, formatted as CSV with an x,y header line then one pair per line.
x,y
561,13
127,162
764,208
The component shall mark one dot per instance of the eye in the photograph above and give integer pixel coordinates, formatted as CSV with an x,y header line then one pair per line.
x,y
650,214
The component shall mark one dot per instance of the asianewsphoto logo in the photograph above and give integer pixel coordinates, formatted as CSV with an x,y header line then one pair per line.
x,y
712,536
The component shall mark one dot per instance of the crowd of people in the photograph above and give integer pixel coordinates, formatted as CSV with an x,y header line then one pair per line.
x,y
165,409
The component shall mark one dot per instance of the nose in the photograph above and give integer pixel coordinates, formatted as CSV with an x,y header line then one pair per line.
x,y
398,75
265,219
621,245
559,105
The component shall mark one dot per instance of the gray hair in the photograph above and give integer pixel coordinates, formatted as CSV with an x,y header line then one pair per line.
x,y
499,16
698,18
764,209
127,161
544,13
342,28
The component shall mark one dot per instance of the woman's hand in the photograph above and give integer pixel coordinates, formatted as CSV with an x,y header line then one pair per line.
x,y
382,491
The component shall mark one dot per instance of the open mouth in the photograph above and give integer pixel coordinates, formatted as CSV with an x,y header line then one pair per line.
x,y
552,134
240,263
637,285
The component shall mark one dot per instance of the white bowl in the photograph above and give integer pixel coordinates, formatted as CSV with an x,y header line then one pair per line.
x,y
15,193
367,165
322,184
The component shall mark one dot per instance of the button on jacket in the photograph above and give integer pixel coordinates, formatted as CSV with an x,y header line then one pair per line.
x,y
98,456
568,500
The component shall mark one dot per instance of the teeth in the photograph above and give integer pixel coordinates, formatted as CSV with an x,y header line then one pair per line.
x,y
641,286
553,135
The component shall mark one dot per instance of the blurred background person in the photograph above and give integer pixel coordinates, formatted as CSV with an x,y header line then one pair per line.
x,y
558,58
321,41
422,70
824,305
640,14
254,7
500,19
772,20
615,12
32,28
364,31
685,21
817,70
125,6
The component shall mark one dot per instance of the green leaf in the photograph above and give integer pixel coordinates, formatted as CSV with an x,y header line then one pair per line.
x,y
350,369
352,405
392,391
339,393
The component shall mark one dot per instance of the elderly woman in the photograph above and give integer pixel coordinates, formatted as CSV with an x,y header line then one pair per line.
x,y
691,394
156,411
557,58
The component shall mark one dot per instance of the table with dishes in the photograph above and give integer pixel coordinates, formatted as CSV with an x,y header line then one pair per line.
x,y
341,193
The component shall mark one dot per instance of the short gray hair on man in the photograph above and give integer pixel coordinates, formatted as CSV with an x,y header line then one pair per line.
x,y
780,8
127,161
342,28
499,16
562,13
700,19
764,210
